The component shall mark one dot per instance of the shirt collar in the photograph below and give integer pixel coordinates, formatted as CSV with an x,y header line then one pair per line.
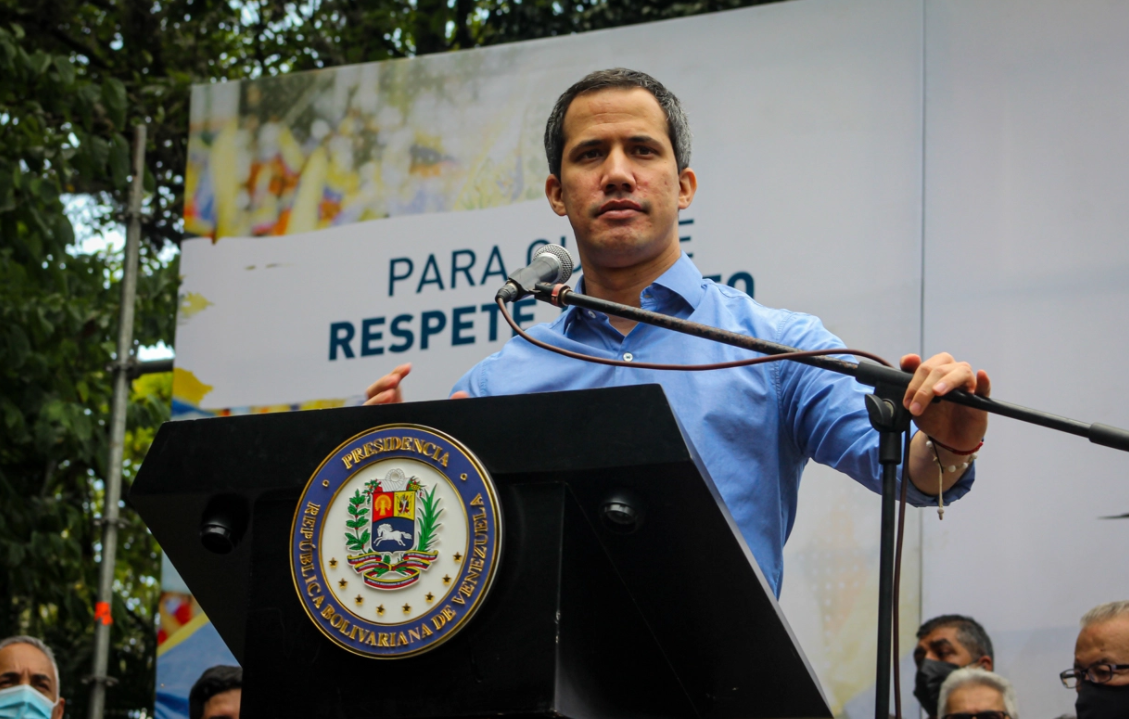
x,y
683,279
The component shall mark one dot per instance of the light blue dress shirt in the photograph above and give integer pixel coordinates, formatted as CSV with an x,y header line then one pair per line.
x,y
754,427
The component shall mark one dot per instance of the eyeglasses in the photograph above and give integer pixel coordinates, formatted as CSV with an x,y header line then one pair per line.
x,y
978,715
1096,674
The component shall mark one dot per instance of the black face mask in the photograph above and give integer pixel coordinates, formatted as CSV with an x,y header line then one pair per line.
x,y
927,684
1101,701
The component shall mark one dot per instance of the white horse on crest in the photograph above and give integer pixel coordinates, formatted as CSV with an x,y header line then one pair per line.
x,y
385,533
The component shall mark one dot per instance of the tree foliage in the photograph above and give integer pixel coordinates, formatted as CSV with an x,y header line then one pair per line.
x,y
58,317
75,75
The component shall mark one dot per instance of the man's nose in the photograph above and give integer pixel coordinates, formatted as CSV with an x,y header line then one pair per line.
x,y
618,176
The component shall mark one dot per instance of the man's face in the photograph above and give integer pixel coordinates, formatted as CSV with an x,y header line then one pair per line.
x,y
25,664
619,183
224,705
942,645
972,698
1105,643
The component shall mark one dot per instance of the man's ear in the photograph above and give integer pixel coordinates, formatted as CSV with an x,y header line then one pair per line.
x,y
984,663
57,712
687,187
555,193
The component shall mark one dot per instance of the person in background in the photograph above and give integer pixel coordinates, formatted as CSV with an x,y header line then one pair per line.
x,y
29,680
1101,663
945,644
975,693
216,694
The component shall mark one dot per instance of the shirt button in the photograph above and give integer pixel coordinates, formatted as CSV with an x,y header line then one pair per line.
x,y
591,313
627,356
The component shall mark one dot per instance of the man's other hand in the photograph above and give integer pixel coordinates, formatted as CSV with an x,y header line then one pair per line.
x,y
946,422
386,390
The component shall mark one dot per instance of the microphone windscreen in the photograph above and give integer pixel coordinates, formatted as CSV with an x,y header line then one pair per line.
x,y
561,254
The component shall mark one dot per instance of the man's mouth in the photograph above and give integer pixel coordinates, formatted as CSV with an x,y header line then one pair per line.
x,y
619,208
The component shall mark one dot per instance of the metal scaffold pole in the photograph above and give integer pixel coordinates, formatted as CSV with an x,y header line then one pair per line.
x,y
99,678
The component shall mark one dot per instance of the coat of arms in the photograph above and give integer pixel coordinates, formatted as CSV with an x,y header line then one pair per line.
x,y
391,544
396,540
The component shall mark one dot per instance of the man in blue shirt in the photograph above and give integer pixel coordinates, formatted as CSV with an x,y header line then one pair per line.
x,y
618,146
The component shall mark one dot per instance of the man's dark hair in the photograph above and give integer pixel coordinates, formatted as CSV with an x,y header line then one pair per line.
x,y
215,680
969,633
619,78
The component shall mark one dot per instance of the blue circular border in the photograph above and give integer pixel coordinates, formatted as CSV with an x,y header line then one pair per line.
x,y
406,638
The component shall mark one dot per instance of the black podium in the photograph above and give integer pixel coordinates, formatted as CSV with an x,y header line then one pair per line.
x,y
623,589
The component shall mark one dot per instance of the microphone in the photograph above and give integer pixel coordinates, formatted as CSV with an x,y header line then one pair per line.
x,y
551,264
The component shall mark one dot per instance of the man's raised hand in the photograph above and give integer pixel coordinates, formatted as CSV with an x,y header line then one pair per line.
x,y
386,390
949,423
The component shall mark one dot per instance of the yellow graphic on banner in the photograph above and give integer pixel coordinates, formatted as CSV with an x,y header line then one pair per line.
x,y
187,388
191,304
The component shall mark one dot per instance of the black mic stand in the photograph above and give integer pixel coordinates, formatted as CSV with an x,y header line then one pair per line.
x,y
887,416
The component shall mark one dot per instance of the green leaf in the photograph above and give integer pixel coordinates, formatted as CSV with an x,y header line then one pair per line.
x,y
47,193
119,162
65,69
64,231
114,101
38,62
85,99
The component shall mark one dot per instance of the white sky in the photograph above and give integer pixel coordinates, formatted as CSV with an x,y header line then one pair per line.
x,y
82,209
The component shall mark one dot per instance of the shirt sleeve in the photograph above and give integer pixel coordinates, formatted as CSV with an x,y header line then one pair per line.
x,y
825,413
472,382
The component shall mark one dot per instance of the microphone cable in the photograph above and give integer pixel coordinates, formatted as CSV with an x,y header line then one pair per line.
x,y
900,531
684,367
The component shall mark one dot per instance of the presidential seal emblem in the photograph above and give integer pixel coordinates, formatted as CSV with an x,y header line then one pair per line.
x,y
395,541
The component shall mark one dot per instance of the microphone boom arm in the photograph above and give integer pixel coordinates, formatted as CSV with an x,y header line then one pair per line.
x,y
865,373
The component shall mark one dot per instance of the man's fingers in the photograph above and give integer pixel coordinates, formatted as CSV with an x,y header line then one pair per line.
x,y
460,395
910,363
983,384
390,396
937,377
388,381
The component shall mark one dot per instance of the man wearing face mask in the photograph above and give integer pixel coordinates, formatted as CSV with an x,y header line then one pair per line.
x,y
945,644
1101,663
29,680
